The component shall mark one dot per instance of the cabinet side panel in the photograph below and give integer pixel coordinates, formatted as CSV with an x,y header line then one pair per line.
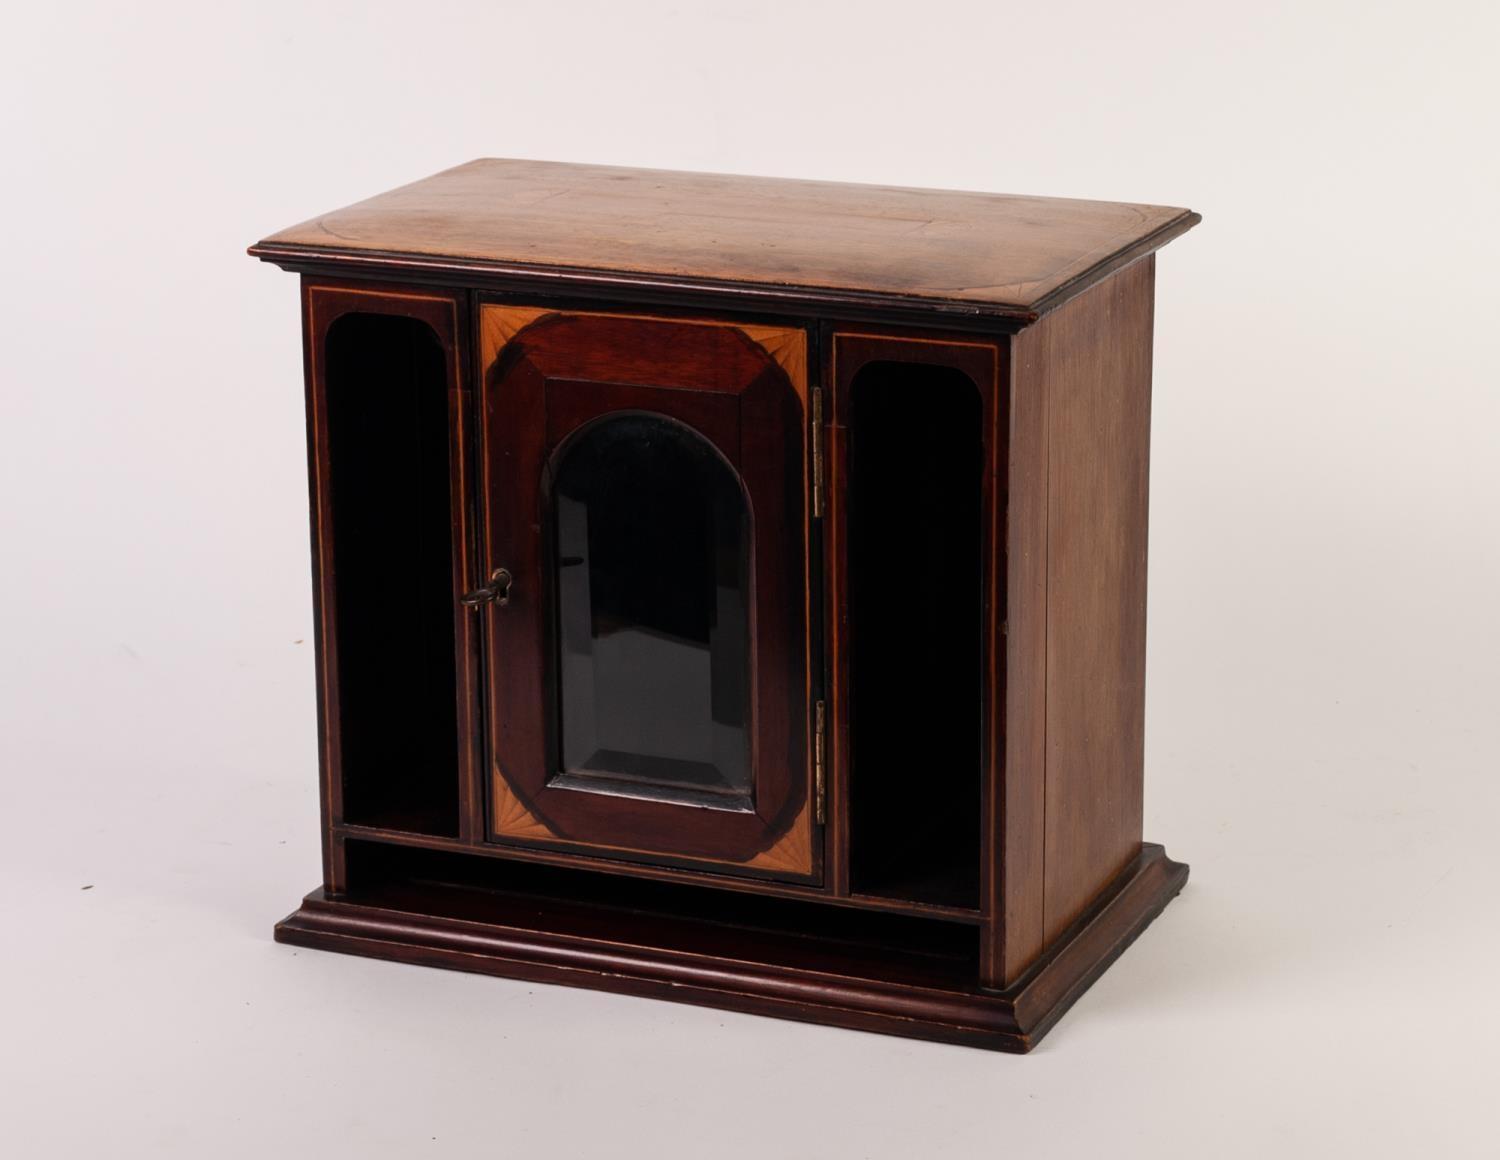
x,y
1097,355
1021,800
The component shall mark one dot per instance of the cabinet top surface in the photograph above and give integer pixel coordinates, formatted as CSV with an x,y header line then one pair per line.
x,y
982,252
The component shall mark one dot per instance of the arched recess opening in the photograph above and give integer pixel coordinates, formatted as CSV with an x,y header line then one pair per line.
x,y
392,556
916,462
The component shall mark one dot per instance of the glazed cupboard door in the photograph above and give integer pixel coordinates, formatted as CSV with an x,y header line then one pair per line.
x,y
643,583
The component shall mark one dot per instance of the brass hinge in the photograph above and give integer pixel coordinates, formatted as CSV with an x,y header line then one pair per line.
x,y
820,790
817,453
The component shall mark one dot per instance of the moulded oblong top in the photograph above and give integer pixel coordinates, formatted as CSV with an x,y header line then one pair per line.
x,y
986,253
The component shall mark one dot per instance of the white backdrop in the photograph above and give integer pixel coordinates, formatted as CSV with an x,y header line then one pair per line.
x,y
1325,563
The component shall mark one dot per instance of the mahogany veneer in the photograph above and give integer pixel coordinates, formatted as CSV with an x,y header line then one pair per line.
x,y
733,590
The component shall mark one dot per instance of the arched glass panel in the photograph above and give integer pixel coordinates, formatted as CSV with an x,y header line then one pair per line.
x,y
651,554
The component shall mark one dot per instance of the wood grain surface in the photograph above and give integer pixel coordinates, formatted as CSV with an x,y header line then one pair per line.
x,y
1093,364
1000,254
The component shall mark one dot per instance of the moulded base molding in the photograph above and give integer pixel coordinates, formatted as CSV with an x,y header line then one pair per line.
x,y
853,993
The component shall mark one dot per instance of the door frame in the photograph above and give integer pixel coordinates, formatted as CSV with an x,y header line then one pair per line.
x,y
520,807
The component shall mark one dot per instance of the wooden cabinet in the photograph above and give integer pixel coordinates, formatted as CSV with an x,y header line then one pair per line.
x,y
733,590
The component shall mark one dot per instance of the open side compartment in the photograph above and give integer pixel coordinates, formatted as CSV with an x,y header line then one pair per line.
x,y
673,917
915,593
388,481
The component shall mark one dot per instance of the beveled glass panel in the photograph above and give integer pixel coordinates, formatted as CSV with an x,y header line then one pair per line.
x,y
651,554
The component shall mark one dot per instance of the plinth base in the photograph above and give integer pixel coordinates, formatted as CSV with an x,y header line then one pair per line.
x,y
755,971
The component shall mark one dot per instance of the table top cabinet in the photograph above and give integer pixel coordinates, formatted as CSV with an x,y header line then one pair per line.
x,y
732,590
